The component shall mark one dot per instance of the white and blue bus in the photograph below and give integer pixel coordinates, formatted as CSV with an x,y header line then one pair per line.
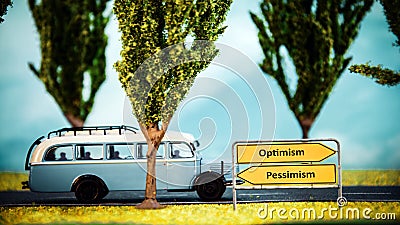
x,y
91,161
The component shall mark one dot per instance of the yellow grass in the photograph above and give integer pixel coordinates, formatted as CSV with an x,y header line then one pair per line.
x,y
371,177
204,214
10,181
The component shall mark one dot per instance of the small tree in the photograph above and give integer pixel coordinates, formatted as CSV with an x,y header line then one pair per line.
x,y
381,75
316,35
157,69
73,46
3,8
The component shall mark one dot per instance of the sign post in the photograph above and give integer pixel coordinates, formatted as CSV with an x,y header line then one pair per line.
x,y
271,164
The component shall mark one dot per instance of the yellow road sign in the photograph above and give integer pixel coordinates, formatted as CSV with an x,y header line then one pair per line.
x,y
290,174
283,152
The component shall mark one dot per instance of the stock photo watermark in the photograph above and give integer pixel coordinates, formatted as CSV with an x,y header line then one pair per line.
x,y
330,212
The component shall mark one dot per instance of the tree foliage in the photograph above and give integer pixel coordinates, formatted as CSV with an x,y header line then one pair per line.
x,y
3,8
316,35
151,26
392,13
382,75
157,68
73,43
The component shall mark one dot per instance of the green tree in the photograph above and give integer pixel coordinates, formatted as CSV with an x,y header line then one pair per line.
x,y
3,8
157,69
316,35
381,75
73,43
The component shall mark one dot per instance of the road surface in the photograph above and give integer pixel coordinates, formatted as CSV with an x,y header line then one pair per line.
x,y
353,193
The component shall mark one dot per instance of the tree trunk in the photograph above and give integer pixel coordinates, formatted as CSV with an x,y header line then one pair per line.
x,y
306,124
73,120
153,138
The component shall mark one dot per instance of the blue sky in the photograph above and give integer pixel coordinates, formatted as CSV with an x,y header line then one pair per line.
x,y
223,106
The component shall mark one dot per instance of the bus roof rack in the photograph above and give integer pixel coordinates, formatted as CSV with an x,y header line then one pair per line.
x,y
62,131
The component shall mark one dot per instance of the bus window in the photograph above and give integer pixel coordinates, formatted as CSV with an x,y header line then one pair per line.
x,y
120,151
88,152
142,151
181,150
59,153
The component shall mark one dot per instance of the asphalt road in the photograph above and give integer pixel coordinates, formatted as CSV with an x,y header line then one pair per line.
x,y
356,193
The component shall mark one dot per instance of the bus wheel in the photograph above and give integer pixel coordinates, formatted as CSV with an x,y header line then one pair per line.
x,y
211,191
89,191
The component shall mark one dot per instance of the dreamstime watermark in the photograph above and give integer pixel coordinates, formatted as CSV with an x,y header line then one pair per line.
x,y
330,212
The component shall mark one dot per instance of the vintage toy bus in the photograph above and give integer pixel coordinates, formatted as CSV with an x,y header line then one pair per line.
x,y
91,161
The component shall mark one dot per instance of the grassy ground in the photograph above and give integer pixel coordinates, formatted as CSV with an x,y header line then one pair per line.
x,y
261,213
12,181
371,177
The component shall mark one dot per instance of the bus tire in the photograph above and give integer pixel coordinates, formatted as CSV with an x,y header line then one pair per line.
x,y
210,186
90,190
